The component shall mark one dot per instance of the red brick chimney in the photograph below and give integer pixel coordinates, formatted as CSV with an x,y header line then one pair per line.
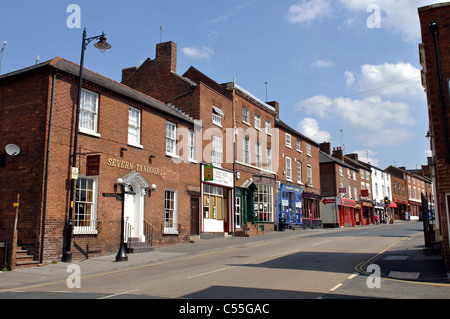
x,y
166,55
353,156
276,105
337,153
325,147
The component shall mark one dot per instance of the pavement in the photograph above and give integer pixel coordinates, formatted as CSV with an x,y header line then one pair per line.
x,y
407,260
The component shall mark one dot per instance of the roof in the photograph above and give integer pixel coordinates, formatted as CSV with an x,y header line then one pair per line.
x,y
325,158
293,131
73,69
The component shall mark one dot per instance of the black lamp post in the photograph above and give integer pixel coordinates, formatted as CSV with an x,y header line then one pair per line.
x,y
102,45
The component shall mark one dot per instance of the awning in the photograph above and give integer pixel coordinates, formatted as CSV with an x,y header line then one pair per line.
x,y
392,205
218,111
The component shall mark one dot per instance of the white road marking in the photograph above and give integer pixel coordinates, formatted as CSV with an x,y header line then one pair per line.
x,y
336,287
118,294
324,242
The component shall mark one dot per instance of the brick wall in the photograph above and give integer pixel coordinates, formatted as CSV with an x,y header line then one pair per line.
x,y
438,13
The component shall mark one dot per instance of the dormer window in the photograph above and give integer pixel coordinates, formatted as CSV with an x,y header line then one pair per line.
x,y
217,116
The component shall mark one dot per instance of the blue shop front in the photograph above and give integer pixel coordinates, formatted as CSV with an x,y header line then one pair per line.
x,y
289,207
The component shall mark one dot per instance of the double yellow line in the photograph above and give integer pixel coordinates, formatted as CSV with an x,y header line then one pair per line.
x,y
363,265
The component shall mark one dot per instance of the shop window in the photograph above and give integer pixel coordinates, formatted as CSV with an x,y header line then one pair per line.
x,y
85,214
264,203
170,212
214,202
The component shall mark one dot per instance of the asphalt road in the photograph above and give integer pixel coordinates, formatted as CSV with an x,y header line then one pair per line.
x,y
320,265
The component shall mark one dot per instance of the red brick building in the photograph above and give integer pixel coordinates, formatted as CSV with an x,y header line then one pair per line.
x,y
340,188
299,192
435,60
244,132
124,135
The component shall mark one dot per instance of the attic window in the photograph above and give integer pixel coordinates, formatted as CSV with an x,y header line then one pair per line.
x,y
217,116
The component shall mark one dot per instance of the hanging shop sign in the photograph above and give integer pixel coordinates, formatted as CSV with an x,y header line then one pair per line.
x,y
93,165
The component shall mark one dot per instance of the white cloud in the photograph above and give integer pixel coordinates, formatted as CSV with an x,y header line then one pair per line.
x,y
323,64
400,16
310,128
394,80
198,52
350,78
367,156
393,136
372,113
306,11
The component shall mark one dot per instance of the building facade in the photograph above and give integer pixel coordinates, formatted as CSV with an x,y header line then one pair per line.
x,y
435,78
125,139
382,190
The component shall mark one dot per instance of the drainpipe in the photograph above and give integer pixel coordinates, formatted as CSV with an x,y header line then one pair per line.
x,y
47,165
434,27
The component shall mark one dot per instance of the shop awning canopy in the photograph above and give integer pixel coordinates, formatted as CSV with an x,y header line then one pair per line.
x,y
392,205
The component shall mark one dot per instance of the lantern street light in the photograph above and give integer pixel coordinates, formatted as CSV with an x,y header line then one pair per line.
x,y
103,46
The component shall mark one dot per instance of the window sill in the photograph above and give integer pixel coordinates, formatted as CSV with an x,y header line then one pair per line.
x,y
88,132
136,145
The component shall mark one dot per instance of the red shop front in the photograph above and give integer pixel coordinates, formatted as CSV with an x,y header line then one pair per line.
x,y
346,212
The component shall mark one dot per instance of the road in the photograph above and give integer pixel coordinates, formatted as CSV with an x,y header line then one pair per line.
x,y
320,264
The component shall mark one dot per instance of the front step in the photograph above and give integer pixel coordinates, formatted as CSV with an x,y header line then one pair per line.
x,y
24,260
249,230
135,246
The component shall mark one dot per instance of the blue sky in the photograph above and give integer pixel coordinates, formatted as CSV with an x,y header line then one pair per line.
x,y
331,64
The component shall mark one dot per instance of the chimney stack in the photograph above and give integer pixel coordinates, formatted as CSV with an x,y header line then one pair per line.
x,y
337,153
276,105
166,55
325,147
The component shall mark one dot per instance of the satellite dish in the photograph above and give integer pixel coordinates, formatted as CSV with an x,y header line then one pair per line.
x,y
12,150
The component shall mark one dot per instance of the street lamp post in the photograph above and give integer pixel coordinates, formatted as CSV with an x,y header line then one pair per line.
x,y
102,45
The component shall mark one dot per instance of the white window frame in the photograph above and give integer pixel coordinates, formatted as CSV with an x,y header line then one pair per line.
x,y
268,127
246,149
171,139
299,145
246,115
88,120
309,174
299,172
257,119
171,223
217,115
288,169
288,139
258,155
191,146
217,151
134,128
269,158
308,149
89,226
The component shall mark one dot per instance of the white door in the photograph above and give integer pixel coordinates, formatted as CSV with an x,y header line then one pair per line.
x,y
134,212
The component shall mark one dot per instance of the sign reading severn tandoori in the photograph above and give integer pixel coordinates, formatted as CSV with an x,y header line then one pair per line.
x,y
112,162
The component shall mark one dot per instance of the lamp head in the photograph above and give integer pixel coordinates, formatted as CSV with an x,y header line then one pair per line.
x,y
102,45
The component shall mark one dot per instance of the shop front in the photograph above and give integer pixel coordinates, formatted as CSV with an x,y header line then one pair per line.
x,y
312,217
289,206
399,213
346,209
368,217
263,201
217,199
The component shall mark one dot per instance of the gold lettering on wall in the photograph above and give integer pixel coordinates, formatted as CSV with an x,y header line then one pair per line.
x,y
112,162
